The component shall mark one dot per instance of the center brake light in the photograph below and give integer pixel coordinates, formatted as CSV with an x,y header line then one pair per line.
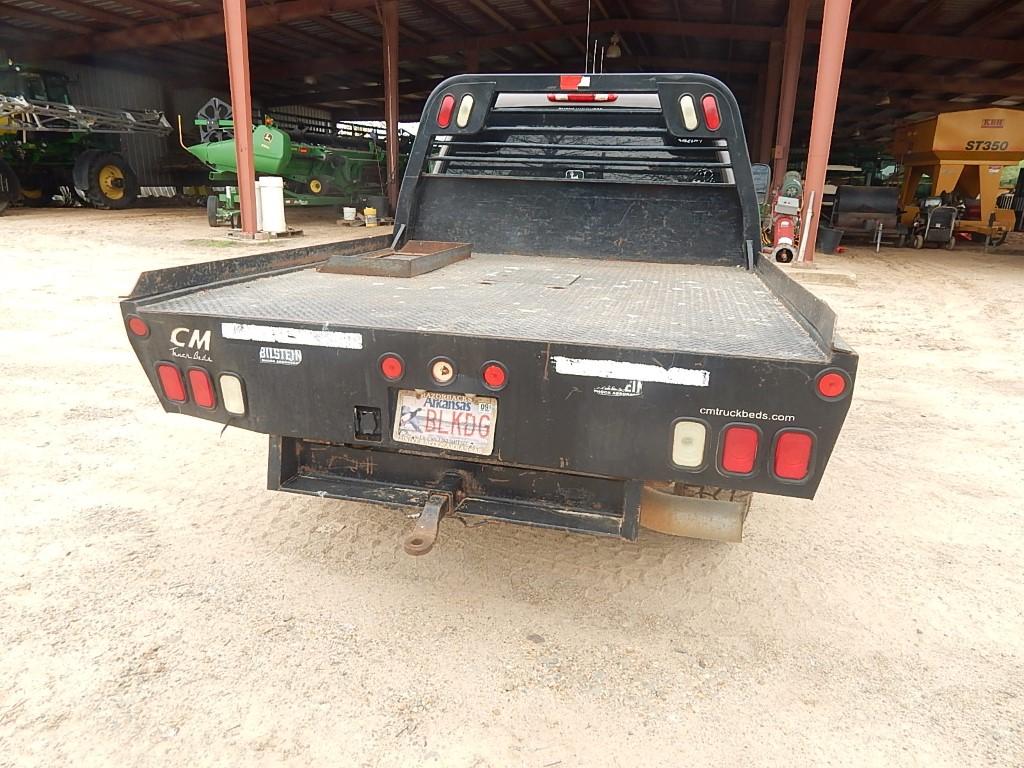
x,y
582,98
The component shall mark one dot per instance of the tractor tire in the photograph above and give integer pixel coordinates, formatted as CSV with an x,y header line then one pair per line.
x,y
918,242
109,181
37,190
10,189
212,204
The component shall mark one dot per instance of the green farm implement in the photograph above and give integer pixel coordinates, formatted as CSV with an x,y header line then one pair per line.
x,y
49,146
322,165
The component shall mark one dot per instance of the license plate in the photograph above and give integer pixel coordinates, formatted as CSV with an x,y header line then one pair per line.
x,y
454,422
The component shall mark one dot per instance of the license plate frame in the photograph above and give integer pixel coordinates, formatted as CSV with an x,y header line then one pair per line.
x,y
450,421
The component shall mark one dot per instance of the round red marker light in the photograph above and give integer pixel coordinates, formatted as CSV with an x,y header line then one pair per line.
x,y
392,367
831,385
138,326
494,375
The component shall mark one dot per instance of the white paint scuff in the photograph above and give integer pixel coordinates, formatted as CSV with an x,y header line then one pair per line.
x,y
276,334
611,369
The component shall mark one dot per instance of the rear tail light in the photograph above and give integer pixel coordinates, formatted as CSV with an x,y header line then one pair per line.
x,y
171,383
495,375
465,110
689,112
444,112
582,98
138,326
201,384
739,449
793,452
392,367
832,384
712,118
688,439
232,393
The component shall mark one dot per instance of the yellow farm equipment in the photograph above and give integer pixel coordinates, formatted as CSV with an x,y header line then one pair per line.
x,y
960,157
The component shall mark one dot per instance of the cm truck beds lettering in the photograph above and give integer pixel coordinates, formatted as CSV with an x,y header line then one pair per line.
x,y
614,353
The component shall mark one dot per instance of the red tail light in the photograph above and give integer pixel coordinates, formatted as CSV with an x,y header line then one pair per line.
x,y
444,112
793,455
391,367
739,449
712,118
171,382
138,326
832,385
203,393
494,375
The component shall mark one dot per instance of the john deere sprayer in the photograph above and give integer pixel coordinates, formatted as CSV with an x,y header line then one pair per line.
x,y
49,145
322,165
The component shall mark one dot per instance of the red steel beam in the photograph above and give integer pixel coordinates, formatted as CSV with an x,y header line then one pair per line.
x,y
237,36
834,28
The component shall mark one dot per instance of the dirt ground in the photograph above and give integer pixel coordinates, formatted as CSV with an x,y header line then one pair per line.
x,y
158,607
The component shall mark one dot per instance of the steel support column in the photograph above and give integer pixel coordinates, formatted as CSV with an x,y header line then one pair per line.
x,y
796,23
237,35
389,21
834,27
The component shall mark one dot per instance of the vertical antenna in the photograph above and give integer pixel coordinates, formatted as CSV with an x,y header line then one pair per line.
x,y
594,60
586,47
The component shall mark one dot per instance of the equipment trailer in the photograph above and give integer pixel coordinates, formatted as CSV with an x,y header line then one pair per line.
x,y
614,353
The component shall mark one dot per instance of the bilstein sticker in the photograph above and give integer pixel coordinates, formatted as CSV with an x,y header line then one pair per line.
x,y
280,355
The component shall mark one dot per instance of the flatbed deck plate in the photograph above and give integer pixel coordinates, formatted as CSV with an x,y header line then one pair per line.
x,y
700,309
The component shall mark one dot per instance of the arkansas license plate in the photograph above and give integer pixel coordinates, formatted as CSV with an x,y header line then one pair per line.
x,y
445,420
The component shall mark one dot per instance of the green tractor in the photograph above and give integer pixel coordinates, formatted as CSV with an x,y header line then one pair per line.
x,y
322,165
51,147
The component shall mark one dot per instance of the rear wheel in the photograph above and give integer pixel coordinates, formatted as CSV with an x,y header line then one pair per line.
x,y
37,190
212,204
109,181
10,190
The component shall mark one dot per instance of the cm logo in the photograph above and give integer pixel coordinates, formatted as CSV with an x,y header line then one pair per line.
x,y
198,340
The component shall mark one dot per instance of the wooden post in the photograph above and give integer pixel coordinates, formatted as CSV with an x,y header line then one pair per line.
x,y
834,26
796,22
389,21
237,34
773,83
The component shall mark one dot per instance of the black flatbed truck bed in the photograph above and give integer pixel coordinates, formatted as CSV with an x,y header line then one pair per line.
x,y
609,339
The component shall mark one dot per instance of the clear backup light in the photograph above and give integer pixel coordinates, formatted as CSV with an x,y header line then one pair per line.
x,y
688,441
465,110
689,112
232,392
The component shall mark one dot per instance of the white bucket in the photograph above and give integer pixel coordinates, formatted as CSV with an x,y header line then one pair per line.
x,y
348,214
272,198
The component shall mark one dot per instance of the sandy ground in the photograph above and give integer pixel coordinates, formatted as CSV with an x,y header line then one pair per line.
x,y
159,608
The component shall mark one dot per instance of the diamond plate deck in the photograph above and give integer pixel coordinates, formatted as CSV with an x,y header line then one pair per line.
x,y
664,307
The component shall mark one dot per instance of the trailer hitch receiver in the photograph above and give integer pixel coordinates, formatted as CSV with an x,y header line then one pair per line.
x,y
441,501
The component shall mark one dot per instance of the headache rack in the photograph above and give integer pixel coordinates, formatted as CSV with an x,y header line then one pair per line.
x,y
475,179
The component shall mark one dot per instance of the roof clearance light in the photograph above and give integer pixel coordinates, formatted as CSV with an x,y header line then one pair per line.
x,y
444,112
232,393
739,450
712,118
689,111
793,455
171,382
831,385
582,98
688,438
465,109
201,384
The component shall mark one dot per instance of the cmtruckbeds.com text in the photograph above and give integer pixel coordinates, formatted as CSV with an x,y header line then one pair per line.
x,y
741,414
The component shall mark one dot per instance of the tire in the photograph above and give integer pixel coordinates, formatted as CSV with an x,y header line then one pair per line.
x,y
918,242
951,244
109,181
37,190
10,189
212,204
